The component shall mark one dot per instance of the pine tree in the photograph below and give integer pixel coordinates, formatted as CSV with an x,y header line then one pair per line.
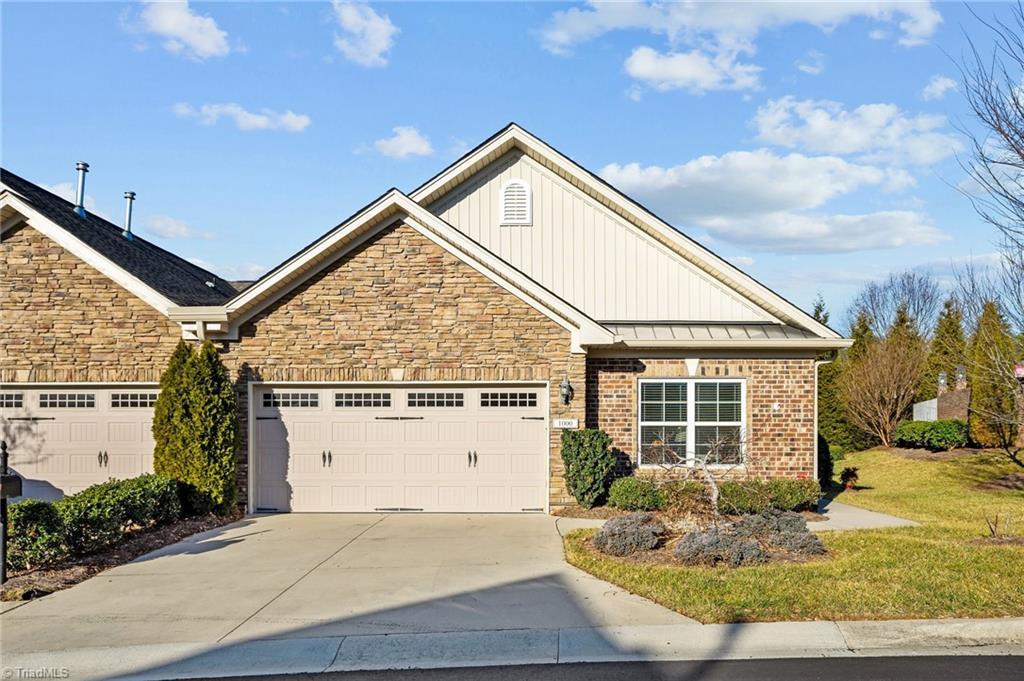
x,y
833,424
994,410
948,350
820,312
168,416
211,408
861,334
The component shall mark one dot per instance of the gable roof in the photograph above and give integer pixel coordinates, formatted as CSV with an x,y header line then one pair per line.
x,y
514,136
135,261
389,208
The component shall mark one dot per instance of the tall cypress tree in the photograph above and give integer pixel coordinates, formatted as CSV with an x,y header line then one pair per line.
x,y
168,416
211,408
948,350
994,411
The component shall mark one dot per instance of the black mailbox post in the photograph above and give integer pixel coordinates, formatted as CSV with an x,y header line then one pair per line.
x,y
10,486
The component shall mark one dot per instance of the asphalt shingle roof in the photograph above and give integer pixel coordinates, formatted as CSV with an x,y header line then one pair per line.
x,y
173,276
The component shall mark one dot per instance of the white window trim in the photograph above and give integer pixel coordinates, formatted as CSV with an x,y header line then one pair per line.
x,y
529,203
691,422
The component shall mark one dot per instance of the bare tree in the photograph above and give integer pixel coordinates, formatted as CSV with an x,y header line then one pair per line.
x,y
918,293
714,460
879,386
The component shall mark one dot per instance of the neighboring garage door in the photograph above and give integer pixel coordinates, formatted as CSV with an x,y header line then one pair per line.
x,y
479,448
64,438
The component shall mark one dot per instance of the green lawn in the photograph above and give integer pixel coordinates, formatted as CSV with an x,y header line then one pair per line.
x,y
920,572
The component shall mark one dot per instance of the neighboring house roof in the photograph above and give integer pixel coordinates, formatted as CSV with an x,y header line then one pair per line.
x,y
171,277
391,207
514,136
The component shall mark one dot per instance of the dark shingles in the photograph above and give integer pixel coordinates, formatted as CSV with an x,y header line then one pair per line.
x,y
173,276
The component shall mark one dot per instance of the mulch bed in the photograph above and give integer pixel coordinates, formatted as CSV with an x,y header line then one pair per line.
x,y
596,513
43,581
1013,481
662,555
999,541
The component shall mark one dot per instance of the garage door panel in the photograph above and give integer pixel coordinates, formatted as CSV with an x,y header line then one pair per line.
x,y
411,450
56,464
306,431
123,466
277,497
271,432
124,432
84,433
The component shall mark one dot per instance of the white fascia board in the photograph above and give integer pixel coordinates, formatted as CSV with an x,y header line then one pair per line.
x,y
86,253
729,274
326,244
205,313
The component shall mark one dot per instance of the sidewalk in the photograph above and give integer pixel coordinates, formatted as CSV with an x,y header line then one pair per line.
x,y
529,646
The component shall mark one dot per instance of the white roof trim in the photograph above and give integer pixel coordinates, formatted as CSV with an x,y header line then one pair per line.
x,y
729,274
385,211
86,253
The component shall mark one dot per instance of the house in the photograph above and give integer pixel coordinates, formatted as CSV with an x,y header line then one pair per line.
x,y
424,354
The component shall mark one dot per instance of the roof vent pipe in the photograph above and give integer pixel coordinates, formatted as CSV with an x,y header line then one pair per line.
x,y
82,167
129,197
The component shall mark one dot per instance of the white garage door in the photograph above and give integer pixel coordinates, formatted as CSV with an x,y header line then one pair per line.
x,y
64,438
479,448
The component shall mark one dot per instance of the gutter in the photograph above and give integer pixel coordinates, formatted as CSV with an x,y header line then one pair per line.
x,y
787,343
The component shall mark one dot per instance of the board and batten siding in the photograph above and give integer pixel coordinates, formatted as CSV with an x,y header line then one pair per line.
x,y
586,254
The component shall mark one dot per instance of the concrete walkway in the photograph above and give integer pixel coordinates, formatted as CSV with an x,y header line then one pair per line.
x,y
845,517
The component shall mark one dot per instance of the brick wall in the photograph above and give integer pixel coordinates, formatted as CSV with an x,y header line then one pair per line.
x,y
779,444
399,307
62,320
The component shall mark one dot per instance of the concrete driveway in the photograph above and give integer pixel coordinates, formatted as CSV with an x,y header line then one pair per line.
x,y
307,576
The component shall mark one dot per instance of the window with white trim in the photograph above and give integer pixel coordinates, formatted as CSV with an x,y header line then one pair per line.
x,y
355,400
435,399
67,400
516,206
12,400
289,399
686,421
132,400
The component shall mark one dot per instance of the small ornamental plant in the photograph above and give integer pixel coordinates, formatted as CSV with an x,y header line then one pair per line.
x,y
849,477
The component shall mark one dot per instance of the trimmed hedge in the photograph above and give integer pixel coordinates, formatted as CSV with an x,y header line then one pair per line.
x,y
589,464
740,497
635,494
35,535
938,436
42,533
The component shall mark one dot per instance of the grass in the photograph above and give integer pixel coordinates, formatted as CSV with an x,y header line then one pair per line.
x,y
936,570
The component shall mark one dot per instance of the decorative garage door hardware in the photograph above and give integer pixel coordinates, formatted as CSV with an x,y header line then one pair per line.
x,y
532,418
472,458
32,418
326,458
396,509
103,459
268,418
399,418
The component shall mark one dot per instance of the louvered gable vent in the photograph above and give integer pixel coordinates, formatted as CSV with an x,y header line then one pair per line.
x,y
515,203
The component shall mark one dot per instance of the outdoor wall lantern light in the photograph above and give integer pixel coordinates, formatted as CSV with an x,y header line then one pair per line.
x,y
943,379
961,375
565,390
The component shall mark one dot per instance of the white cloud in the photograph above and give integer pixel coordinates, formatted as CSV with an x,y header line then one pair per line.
x,y
171,228
707,40
763,201
695,70
366,36
937,87
407,141
813,63
237,272
878,131
748,183
184,32
741,260
786,232
265,119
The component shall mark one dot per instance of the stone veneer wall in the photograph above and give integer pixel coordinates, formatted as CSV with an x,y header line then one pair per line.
x,y
779,444
62,320
400,308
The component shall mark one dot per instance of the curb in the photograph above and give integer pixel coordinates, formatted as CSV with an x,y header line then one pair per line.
x,y
440,650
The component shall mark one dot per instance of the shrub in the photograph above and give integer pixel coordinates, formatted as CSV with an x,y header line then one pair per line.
x,y
97,516
589,464
716,546
945,434
168,416
686,497
911,433
825,468
739,497
635,494
628,534
780,530
35,535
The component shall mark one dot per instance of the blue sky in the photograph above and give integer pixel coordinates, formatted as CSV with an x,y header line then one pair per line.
x,y
813,144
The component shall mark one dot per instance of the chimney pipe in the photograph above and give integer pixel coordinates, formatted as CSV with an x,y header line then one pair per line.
x,y
82,167
129,197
